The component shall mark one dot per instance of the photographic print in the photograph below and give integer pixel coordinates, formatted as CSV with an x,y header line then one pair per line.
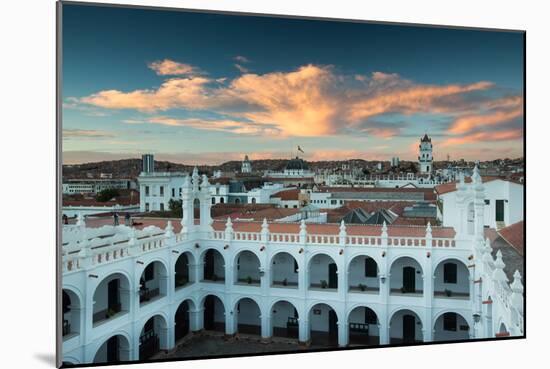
x,y
239,184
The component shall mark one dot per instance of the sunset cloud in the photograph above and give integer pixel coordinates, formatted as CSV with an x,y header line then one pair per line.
x,y
312,101
514,134
223,125
241,59
169,67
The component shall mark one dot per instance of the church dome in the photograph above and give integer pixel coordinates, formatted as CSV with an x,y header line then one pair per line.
x,y
297,164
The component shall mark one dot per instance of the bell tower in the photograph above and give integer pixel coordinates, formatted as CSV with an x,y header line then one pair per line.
x,y
195,196
425,158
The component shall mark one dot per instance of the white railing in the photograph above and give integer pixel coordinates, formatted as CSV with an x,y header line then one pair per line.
x,y
327,239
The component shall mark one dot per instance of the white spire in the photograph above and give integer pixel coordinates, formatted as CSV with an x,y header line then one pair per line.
x,y
429,230
169,230
476,178
265,226
342,227
498,273
384,229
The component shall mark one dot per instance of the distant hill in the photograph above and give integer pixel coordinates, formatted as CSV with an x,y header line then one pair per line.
x,y
130,168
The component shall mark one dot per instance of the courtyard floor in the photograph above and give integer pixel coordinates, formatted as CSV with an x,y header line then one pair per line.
x,y
216,344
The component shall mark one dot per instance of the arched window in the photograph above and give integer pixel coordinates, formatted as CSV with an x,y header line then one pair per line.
x,y
213,201
449,273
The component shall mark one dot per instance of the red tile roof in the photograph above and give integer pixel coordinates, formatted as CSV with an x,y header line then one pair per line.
x,y
269,214
451,186
287,195
312,228
515,236
429,194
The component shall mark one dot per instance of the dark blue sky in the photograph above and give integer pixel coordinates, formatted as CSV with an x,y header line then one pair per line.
x,y
107,48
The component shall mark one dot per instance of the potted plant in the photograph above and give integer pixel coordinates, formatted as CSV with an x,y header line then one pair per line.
x,y
285,282
324,284
362,287
249,279
110,312
448,293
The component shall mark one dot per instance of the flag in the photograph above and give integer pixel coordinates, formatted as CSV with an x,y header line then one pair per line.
x,y
300,149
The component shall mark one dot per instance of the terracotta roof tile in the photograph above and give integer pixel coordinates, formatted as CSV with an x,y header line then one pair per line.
x,y
287,195
312,228
514,235
451,186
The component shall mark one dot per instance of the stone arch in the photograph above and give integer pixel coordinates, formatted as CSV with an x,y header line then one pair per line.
x,y
406,325
247,312
363,271
247,266
406,275
71,311
153,281
182,318
196,201
182,273
323,324
363,323
284,318
325,276
116,348
452,282
449,328
153,336
284,269
214,265
111,296
214,312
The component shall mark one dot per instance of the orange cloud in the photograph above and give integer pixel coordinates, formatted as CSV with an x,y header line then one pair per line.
x,y
513,134
496,112
309,101
223,125
169,67
409,99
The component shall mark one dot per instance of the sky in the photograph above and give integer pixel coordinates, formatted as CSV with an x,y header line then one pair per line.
x,y
207,88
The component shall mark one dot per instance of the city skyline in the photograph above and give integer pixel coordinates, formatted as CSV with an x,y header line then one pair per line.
x,y
262,86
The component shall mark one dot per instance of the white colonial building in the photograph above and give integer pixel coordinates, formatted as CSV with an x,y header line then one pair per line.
x,y
503,201
129,292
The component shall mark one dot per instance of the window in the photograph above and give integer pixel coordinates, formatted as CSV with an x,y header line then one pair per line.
x,y
333,202
253,200
222,200
161,206
146,206
173,192
146,190
370,317
370,268
149,273
449,322
449,273
213,200
161,190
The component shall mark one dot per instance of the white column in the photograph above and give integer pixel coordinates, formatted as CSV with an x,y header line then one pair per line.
x,y
267,330
343,335
196,319
303,328
230,323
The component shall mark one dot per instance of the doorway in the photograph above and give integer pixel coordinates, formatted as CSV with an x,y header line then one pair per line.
x,y
409,279
332,276
409,325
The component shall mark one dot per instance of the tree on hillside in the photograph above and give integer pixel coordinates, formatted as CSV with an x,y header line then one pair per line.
x,y
107,194
175,208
